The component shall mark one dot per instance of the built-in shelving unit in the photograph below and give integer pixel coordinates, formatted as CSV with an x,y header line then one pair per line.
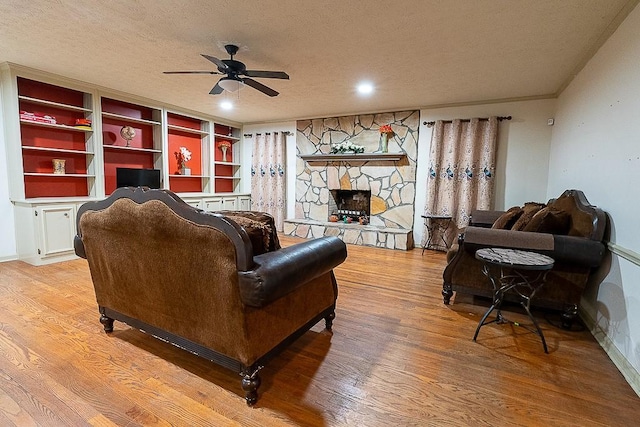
x,y
144,151
226,169
48,115
192,134
49,121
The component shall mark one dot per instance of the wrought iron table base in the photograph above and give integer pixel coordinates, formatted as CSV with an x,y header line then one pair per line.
x,y
526,275
436,223
525,285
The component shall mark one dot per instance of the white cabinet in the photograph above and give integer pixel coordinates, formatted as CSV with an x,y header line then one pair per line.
x,y
229,203
196,203
45,231
213,204
57,227
244,203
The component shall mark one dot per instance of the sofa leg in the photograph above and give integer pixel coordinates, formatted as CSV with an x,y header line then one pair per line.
x,y
250,383
107,323
447,293
569,316
328,321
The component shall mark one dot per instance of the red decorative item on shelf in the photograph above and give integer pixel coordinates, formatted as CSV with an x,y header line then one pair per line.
x,y
83,124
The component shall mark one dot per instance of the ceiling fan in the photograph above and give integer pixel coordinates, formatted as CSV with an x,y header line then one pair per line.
x,y
234,70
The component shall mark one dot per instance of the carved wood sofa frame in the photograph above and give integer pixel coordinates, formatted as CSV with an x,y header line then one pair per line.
x,y
236,310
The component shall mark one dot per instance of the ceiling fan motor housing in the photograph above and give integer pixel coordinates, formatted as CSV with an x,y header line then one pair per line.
x,y
234,70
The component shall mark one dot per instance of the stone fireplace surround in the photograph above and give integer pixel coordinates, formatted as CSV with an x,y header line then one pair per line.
x,y
391,183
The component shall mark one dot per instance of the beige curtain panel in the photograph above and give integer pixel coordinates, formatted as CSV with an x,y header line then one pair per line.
x,y
268,181
461,170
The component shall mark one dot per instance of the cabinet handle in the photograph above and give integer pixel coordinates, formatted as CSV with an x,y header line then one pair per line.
x,y
66,214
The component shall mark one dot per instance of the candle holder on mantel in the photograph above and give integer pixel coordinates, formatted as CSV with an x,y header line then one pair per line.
x,y
224,146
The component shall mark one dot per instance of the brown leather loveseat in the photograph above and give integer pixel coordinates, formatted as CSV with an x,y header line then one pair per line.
x,y
568,229
191,278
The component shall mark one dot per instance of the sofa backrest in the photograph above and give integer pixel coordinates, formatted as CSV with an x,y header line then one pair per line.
x,y
154,258
586,220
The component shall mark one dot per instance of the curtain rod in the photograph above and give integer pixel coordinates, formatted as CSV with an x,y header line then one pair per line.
x,y
286,133
501,118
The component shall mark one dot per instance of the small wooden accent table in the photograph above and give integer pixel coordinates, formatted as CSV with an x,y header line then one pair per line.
x,y
508,269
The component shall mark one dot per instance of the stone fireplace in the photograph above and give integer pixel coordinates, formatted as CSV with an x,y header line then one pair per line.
x,y
387,180
350,203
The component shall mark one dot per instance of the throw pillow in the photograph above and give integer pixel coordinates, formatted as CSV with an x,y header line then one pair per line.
x,y
507,219
549,220
259,226
528,211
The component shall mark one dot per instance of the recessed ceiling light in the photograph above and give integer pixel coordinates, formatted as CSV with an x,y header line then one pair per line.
x,y
365,88
226,105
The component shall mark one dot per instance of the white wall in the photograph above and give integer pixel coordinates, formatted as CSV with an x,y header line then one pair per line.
x,y
522,162
595,147
8,248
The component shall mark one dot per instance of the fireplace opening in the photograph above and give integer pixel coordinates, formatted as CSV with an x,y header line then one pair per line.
x,y
350,206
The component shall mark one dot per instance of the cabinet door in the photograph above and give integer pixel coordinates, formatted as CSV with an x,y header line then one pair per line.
x,y
245,203
212,205
57,229
230,203
196,203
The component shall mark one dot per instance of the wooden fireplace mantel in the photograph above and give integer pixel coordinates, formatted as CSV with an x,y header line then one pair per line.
x,y
351,157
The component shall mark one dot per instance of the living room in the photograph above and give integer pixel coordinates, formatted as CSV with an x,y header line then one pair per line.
x,y
591,146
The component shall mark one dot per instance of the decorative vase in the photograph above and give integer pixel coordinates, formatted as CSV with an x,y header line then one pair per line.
x,y
183,169
58,166
384,143
224,152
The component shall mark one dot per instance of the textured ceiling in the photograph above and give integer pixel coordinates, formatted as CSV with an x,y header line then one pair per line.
x,y
418,53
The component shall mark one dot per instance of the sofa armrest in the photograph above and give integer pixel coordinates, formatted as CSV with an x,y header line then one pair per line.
x,y
277,273
578,250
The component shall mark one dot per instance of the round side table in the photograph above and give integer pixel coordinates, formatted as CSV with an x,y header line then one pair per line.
x,y
511,269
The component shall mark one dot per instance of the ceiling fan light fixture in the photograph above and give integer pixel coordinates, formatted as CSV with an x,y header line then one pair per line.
x,y
230,84
226,105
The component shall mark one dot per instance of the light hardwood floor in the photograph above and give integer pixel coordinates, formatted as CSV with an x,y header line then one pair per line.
x,y
397,357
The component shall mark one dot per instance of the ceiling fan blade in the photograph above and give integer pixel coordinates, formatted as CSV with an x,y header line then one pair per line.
x,y
259,86
221,65
267,74
190,72
217,90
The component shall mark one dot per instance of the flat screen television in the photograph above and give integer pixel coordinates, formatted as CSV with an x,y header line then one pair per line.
x,y
129,177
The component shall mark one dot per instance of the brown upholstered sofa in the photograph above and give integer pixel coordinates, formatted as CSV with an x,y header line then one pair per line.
x,y
568,229
193,279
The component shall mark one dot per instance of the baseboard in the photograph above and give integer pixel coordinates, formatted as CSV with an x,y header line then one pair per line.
x,y
630,374
8,258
